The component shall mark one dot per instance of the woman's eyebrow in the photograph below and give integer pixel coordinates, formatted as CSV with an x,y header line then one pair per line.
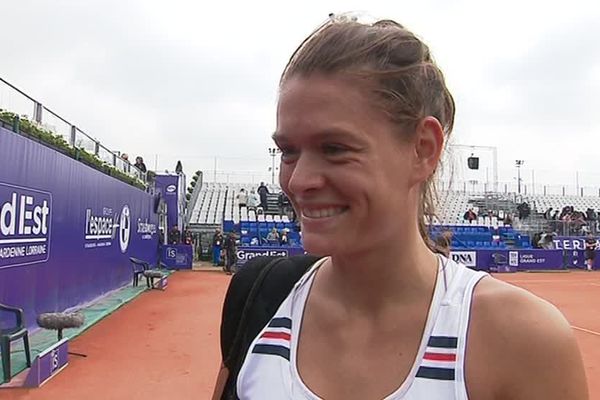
x,y
324,134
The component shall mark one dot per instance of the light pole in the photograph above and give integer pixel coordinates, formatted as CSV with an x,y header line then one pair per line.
x,y
273,152
518,164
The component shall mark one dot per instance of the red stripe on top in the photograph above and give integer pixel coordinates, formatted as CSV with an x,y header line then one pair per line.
x,y
276,335
439,357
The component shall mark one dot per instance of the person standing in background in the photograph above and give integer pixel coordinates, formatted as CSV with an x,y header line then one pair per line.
x,y
139,164
590,251
263,191
253,202
217,243
174,235
230,253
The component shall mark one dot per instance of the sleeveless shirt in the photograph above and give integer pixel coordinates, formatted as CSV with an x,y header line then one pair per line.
x,y
270,368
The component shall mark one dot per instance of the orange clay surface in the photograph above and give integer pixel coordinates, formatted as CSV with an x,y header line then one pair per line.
x,y
162,345
165,345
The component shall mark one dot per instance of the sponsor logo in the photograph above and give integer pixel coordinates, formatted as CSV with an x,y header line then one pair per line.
x,y
25,220
171,252
571,243
467,258
171,188
101,228
513,258
54,360
247,255
125,228
145,229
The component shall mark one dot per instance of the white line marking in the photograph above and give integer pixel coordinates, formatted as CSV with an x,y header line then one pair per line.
x,y
98,237
17,241
585,330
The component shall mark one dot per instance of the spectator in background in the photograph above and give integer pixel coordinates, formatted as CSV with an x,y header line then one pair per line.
x,y
178,167
546,241
187,236
217,243
197,240
263,191
242,198
284,239
524,210
126,165
174,235
470,215
253,202
230,253
508,220
273,236
548,213
139,164
590,251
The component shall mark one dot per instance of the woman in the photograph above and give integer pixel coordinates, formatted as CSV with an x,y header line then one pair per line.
x,y
362,119
590,251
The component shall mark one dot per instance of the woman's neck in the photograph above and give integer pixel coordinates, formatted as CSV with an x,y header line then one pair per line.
x,y
394,274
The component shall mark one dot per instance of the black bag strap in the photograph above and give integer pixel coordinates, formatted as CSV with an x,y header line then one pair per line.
x,y
254,295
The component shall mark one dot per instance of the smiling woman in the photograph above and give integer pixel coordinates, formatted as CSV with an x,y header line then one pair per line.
x,y
362,119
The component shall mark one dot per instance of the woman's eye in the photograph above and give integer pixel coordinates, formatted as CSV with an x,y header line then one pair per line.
x,y
287,154
333,149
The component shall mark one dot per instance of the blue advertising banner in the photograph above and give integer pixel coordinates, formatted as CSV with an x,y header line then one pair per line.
x,y
170,186
247,253
571,243
522,259
180,256
66,230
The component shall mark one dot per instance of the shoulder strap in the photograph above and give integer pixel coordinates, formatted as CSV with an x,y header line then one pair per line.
x,y
254,295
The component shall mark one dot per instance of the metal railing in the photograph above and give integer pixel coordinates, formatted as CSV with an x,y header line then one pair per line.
x,y
16,101
476,187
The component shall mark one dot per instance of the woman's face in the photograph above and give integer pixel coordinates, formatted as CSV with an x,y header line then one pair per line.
x,y
344,166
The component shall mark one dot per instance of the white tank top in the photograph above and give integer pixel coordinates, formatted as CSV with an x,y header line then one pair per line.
x,y
270,368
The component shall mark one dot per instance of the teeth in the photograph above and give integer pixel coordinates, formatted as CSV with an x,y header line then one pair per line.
x,y
323,212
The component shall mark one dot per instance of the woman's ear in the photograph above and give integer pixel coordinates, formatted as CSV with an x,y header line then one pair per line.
x,y
429,144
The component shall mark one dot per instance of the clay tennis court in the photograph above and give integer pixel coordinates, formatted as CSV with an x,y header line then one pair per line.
x,y
165,345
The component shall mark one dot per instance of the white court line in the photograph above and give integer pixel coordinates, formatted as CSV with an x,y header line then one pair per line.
x,y
585,330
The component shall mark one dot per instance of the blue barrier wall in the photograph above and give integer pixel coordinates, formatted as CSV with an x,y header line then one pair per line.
x,y
66,230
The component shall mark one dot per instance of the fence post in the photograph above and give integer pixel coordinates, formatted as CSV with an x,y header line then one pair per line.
x,y
37,112
73,135
17,124
563,190
97,148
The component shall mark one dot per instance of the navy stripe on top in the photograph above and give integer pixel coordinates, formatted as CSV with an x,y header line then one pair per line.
x,y
446,342
444,374
272,349
281,323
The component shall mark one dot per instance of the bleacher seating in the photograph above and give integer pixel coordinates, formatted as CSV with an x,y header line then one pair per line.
x,y
541,203
255,232
482,237
217,204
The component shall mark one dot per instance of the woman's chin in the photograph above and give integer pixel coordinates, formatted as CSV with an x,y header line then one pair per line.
x,y
318,245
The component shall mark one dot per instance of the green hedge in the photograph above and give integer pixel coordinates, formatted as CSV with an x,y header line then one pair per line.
x,y
25,127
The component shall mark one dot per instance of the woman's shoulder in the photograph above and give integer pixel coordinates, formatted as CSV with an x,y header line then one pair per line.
x,y
533,348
